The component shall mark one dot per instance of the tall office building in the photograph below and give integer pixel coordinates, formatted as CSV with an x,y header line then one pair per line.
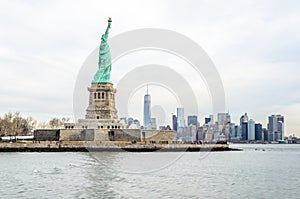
x,y
209,120
224,118
153,123
258,132
193,119
221,118
174,122
147,111
251,130
206,120
239,132
276,127
265,134
228,118
280,134
244,131
233,130
191,133
180,118
244,118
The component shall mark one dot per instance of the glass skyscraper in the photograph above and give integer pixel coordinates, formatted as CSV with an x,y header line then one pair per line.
x,y
245,131
222,118
244,118
276,127
147,111
251,130
174,122
192,119
180,118
258,131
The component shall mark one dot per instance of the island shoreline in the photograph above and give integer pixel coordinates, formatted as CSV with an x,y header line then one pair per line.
x,y
110,147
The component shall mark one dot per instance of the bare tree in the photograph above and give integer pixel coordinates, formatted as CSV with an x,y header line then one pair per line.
x,y
14,124
57,123
42,125
54,123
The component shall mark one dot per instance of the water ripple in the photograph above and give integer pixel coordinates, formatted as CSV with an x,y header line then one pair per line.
x,y
253,173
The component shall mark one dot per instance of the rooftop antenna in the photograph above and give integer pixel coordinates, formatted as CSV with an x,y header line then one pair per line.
x,y
147,88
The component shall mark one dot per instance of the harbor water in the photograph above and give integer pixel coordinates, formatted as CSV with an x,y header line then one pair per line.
x,y
259,171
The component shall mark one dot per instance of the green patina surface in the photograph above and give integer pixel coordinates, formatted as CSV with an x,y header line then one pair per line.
x,y
104,63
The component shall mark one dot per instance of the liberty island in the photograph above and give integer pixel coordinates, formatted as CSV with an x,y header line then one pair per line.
x,y
100,129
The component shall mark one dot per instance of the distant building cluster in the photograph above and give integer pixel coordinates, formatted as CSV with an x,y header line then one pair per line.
x,y
224,130
211,131
130,123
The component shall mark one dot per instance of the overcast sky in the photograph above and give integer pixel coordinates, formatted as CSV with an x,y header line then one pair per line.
x,y
255,46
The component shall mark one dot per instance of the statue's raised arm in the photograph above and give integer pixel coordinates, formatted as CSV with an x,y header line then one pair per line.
x,y
104,63
105,36
108,25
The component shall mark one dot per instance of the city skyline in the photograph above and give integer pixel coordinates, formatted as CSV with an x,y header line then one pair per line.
x,y
224,129
183,119
247,129
254,46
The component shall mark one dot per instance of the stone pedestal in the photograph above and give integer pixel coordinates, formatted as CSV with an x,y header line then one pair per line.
x,y
102,102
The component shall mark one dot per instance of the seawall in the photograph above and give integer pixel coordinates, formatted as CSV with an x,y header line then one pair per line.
x,y
84,146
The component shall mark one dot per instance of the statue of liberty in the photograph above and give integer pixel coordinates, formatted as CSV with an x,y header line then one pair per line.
x,y
104,63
